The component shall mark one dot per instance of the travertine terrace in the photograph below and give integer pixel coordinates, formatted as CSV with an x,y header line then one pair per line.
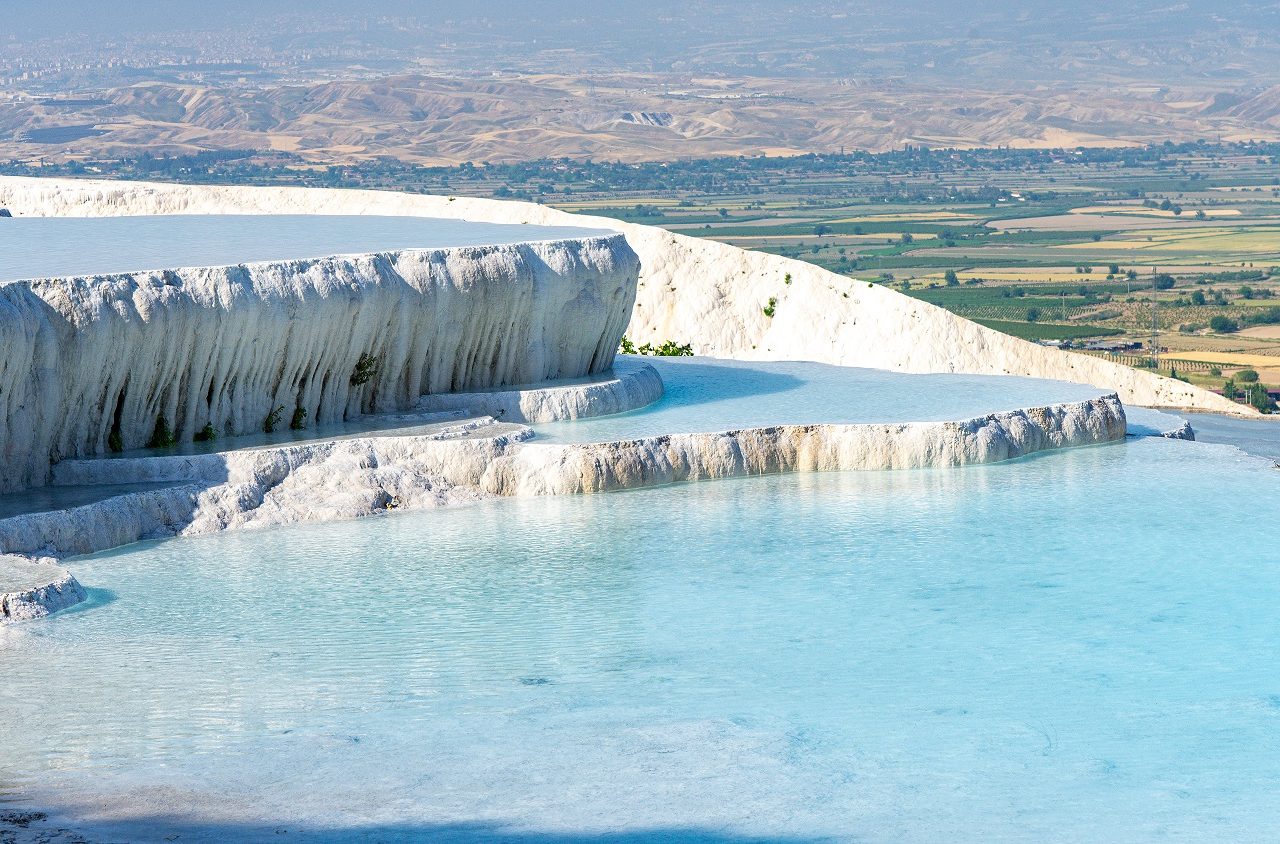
x,y
708,294
501,335
98,360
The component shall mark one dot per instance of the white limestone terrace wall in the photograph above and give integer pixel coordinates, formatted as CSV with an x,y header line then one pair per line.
x,y
358,477
695,291
226,346
632,384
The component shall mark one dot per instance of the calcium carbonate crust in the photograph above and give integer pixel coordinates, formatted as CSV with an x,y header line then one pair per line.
x,y
632,385
344,479
691,290
34,588
113,360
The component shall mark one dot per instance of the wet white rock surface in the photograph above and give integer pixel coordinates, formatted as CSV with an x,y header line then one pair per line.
x,y
34,588
96,361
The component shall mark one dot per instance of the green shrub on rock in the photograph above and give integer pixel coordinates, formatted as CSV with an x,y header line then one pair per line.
x,y
162,435
273,419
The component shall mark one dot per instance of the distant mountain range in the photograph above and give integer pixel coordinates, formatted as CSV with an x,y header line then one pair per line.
x,y
449,81
624,117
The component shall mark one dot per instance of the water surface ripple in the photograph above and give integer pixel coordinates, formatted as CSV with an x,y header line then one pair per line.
x,y
1074,647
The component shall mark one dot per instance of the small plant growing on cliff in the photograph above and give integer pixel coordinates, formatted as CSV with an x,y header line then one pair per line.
x,y
770,308
162,435
669,349
273,419
205,434
787,279
299,420
115,442
366,368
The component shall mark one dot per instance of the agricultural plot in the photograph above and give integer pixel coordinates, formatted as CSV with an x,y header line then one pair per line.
x,y
1045,244
1067,253
1047,330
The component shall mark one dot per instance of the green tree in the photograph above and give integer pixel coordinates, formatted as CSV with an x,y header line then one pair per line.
x,y
1164,281
1247,376
1223,325
1033,314
951,278
1258,396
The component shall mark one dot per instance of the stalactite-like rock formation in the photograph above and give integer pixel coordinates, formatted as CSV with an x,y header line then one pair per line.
x,y
117,362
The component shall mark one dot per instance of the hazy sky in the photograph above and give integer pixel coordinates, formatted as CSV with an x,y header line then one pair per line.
x,y
1106,18
1030,41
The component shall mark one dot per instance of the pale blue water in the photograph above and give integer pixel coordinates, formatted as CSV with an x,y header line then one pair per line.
x,y
44,499
1076,647
1256,436
706,394
46,247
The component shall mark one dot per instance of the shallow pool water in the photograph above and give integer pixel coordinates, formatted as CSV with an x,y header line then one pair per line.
x,y
48,247
45,499
1258,436
706,394
1075,647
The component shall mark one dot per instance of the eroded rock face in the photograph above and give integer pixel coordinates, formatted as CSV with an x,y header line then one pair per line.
x,y
1182,432
34,588
106,362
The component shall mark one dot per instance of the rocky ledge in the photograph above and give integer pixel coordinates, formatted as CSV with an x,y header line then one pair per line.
x,y
631,384
362,476
33,588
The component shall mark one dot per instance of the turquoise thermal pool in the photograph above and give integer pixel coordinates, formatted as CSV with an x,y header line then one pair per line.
x,y
52,247
705,395
1078,646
